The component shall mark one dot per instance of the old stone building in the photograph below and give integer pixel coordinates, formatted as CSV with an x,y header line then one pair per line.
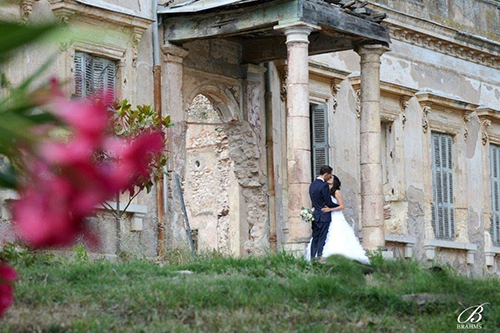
x,y
401,98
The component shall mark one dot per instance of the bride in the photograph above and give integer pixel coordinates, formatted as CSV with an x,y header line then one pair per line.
x,y
340,238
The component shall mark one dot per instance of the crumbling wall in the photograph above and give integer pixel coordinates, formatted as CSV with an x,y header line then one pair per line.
x,y
244,151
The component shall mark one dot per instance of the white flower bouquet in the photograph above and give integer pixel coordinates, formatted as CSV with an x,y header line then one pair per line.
x,y
306,214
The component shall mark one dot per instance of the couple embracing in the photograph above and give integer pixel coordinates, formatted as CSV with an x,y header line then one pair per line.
x,y
331,234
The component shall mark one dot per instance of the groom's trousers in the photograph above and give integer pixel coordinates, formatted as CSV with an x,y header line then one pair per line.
x,y
319,233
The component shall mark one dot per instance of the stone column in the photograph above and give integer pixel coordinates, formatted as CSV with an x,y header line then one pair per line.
x,y
172,80
298,130
372,198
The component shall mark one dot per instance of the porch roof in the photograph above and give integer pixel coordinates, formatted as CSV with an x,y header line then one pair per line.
x,y
344,24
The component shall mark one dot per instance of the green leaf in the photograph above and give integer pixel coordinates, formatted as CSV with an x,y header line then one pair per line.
x,y
13,35
8,177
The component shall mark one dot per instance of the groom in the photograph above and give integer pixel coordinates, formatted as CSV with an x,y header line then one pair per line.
x,y
320,197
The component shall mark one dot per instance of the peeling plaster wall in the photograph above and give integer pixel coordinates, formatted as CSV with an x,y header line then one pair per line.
x,y
479,17
134,83
466,84
346,150
213,68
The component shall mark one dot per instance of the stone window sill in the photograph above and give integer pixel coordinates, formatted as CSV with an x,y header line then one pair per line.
x,y
138,213
408,241
489,253
430,246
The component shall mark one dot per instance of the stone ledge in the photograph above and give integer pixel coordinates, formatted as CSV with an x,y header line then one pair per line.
x,y
489,253
6,198
64,9
409,242
430,246
138,213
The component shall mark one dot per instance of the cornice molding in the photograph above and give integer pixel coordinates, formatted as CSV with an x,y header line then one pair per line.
x,y
431,99
327,72
387,87
65,9
488,113
442,39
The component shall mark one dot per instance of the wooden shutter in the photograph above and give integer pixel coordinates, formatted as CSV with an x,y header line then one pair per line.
x,y
495,188
110,81
79,74
99,74
104,73
319,132
443,208
94,74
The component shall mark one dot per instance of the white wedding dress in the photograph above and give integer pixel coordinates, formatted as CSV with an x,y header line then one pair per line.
x,y
341,240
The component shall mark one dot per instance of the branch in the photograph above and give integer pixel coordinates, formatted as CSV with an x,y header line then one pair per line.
x,y
129,202
110,209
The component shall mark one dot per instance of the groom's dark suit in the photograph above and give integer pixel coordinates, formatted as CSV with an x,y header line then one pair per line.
x,y
320,197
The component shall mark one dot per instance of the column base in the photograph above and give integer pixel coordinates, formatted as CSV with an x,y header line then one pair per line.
x,y
297,249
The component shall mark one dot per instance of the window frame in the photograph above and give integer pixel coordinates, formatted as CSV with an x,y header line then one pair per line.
x,y
109,52
495,213
436,223
317,145
90,62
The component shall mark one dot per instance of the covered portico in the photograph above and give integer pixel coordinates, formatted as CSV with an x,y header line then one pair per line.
x,y
291,30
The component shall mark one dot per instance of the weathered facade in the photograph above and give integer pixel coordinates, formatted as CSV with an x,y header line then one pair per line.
x,y
259,101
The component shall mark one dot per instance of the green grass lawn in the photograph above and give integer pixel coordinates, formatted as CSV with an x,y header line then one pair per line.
x,y
273,294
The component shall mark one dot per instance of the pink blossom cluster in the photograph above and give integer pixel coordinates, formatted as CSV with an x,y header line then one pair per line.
x,y
67,180
7,276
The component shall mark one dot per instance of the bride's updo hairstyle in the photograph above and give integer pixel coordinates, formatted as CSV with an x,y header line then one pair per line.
x,y
336,185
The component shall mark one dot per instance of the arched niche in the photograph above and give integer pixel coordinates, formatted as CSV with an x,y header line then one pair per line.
x,y
211,191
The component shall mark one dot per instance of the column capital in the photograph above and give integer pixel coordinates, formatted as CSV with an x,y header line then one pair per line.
x,y
174,53
297,32
252,72
371,49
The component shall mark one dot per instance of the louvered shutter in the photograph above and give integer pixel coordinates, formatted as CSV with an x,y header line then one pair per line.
x,y
79,74
94,75
98,74
495,199
110,81
319,121
443,208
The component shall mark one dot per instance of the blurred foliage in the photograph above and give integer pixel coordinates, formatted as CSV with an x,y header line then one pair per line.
x,y
20,255
131,122
18,109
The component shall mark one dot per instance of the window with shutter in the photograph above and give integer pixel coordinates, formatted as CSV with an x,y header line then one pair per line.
x,y
94,74
495,199
388,146
319,139
443,207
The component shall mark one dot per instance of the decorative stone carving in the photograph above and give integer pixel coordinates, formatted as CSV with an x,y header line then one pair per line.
x,y
136,38
405,102
335,90
485,137
26,9
358,103
443,46
425,121
466,130
283,90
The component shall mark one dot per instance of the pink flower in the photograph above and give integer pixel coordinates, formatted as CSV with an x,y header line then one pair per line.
x,y
67,181
7,276
88,117
7,273
136,156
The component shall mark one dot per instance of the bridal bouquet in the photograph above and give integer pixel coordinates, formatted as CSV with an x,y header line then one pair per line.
x,y
306,215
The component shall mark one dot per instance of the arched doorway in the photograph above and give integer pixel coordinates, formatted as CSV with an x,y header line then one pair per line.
x,y
209,181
